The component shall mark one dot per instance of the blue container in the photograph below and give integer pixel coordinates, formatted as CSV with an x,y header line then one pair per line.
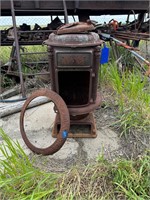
x,y
104,55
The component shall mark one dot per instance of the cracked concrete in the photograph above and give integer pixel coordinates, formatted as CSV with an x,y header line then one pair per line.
x,y
38,125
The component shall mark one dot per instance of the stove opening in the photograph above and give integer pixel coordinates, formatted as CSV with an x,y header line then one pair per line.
x,y
74,87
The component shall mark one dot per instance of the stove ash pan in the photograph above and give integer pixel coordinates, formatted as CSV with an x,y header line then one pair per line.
x,y
74,66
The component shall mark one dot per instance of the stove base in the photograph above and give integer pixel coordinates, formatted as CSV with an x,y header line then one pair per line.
x,y
79,128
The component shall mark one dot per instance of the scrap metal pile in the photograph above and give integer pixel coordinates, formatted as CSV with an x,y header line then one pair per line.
x,y
27,35
135,30
129,35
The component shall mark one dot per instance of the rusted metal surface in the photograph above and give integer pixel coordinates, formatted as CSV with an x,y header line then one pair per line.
x,y
76,27
77,111
74,65
64,122
79,128
131,35
74,40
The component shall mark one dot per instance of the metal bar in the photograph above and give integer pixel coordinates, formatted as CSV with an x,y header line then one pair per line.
x,y
135,54
17,49
25,43
36,74
30,74
28,53
13,50
116,50
37,4
140,57
0,78
141,17
113,49
129,49
39,10
131,33
38,62
12,56
65,11
132,38
76,4
141,67
37,31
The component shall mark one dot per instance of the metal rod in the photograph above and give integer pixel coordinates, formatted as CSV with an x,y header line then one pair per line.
x,y
113,49
129,49
37,4
37,31
17,50
140,57
37,74
39,11
38,62
29,74
0,76
28,53
65,10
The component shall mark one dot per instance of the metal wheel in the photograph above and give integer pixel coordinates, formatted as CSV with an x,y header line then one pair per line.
x,y
64,119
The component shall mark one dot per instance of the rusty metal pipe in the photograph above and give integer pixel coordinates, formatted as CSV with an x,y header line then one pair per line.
x,y
17,50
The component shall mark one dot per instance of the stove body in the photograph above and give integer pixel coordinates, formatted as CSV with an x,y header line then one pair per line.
x,y
74,68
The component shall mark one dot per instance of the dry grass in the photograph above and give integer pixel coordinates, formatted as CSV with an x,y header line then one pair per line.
x,y
121,180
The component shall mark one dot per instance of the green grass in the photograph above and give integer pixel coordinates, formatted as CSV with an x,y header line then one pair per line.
x,y
18,178
130,92
4,27
123,179
133,179
5,53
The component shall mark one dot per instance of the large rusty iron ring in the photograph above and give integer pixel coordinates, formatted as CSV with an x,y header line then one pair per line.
x,y
64,122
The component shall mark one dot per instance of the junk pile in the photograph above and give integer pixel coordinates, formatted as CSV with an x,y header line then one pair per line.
x,y
28,35
128,35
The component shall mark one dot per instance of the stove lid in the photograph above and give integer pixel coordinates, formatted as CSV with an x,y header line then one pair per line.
x,y
74,40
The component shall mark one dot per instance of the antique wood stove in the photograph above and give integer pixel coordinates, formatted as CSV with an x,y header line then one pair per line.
x,y
74,66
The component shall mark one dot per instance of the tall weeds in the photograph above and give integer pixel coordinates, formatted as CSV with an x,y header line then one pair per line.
x,y
132,96
132,178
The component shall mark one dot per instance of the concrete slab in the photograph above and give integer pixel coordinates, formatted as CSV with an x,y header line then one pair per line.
x,y
38,125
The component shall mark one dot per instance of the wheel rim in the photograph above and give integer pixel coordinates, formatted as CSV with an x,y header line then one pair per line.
x,y
64,122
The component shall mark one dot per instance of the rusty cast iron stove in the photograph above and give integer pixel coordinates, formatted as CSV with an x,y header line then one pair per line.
x,y
74,65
